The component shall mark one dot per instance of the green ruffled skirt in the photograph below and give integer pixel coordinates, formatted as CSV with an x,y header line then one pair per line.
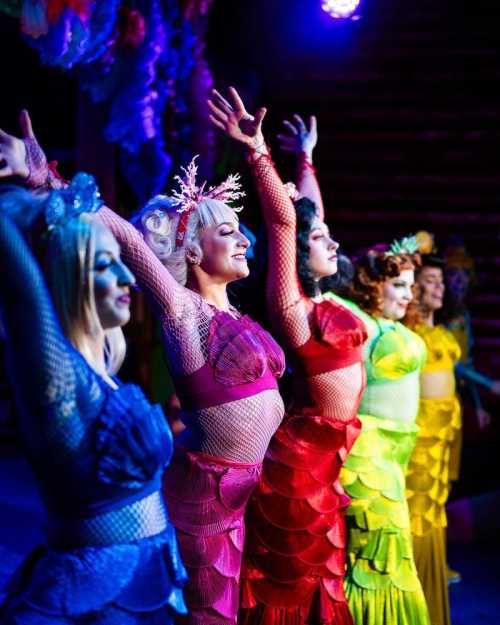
x,y
381,582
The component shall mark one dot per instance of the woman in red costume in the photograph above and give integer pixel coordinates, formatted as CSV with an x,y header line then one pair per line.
x,y
295,551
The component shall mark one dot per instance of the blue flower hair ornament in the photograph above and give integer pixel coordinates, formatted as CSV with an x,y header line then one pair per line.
x,y
80,196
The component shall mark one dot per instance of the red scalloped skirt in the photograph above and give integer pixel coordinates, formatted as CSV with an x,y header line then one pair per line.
x,y
294,560
207,498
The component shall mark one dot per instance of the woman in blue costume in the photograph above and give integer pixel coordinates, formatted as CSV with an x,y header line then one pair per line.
x,y
97,447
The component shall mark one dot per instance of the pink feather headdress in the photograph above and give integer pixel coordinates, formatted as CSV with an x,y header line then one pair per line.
x,y
190,195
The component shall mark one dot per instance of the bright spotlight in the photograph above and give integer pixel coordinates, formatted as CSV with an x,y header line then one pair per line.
x,y
343,9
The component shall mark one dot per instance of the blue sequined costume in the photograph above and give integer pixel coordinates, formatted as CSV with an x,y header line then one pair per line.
x,y
98,454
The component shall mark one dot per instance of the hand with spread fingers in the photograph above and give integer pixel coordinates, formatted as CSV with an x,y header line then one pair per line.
x,y
13,153
232,117
299,138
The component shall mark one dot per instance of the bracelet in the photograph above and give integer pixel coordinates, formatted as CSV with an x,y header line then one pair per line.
x,y
254,154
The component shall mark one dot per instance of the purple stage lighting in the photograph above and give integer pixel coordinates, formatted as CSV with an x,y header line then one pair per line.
x,y
341,8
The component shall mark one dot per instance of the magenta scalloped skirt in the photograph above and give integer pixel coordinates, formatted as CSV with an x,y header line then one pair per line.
x,y
207,497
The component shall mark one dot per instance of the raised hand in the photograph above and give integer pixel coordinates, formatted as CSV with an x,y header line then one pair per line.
x,y
13,160
299,139
232,117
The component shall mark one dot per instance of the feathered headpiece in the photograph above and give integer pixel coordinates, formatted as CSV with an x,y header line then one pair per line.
x,y
190,195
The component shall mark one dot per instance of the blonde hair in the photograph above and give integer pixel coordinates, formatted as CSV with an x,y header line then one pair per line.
x,y
209,212
71,252
69,260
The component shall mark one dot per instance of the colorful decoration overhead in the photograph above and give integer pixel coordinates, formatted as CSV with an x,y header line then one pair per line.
x,y
142,59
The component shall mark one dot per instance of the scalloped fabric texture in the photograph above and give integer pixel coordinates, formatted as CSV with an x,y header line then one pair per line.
x,y
295,550
133,439
338,326
240,350
207,499
428,475
96,585
395,350
380,555
395,353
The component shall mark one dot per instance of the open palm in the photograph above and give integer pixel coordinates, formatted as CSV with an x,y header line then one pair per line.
x,y
235,120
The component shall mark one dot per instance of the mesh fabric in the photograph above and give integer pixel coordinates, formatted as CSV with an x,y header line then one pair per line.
x,y
238,430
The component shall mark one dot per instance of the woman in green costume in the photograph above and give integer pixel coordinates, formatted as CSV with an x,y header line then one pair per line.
x,y
381,583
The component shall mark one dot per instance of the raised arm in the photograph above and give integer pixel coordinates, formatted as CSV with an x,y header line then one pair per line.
x,y
23,157
48,376
301,141
285,300
167,296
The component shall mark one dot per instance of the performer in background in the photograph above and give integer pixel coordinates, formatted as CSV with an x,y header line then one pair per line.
x,y
97,447
224,365
295,550
428,478
382,584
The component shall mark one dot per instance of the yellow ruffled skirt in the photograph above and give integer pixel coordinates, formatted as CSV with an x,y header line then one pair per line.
x,y
381,582
428,486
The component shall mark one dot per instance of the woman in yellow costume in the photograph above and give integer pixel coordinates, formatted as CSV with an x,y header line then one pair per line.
x,y
428,476
381,583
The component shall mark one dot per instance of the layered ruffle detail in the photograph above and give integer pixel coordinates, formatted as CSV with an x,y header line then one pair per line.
x,y
207,498
136,580
381,583
295,549
132,439
338,326
428,476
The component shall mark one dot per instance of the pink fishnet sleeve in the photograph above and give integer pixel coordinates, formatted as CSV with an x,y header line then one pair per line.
x,y
168,297
307,183
285,300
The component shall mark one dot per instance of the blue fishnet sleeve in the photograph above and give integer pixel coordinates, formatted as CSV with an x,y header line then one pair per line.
x,y
54,387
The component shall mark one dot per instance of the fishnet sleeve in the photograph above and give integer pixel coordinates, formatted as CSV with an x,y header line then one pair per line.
x,y
167,296
307,184
53,384
285,300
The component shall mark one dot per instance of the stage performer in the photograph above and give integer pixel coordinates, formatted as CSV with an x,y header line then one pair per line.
x,y
428,481
97,447
185,251
295,551
382,584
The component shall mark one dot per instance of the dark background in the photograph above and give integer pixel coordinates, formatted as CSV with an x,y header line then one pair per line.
x,y
409,118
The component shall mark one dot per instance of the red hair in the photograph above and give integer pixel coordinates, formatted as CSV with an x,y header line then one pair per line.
x,y
372,268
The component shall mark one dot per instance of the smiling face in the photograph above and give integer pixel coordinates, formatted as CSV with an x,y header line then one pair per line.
x,y
322,261
397,294
112,281
431,283
224,249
